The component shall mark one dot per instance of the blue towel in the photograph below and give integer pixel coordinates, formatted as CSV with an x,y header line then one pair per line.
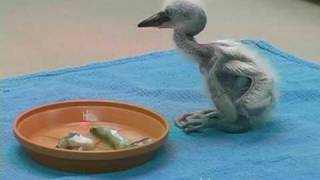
x,y
286,148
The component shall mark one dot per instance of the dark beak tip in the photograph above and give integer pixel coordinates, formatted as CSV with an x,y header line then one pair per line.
x,y
154,21
144,23
140,25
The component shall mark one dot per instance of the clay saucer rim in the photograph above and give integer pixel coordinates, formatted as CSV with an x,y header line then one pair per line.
x,y
144,148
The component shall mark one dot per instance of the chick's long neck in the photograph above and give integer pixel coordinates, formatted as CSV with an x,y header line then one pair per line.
x,y
190,46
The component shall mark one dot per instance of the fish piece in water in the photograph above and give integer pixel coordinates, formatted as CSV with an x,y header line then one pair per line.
x,y
112,136
76,141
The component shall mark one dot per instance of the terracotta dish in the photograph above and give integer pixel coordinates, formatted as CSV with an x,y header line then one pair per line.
x,y
39,129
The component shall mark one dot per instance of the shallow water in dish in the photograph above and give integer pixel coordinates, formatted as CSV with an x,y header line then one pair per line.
x,y
49,137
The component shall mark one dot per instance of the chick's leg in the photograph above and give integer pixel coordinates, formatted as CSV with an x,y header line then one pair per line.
x,y
196,121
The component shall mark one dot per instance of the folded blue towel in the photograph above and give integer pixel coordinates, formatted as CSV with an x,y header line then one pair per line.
x,y
286,148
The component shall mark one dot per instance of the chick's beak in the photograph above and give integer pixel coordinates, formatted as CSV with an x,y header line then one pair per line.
x,y
155,21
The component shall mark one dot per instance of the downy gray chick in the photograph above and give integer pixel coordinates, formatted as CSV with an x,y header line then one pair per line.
x,y
241,84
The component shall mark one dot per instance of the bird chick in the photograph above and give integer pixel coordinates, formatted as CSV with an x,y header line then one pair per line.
x,y
241,84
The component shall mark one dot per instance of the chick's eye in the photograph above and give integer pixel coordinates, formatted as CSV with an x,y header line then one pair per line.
x,y
167,12
186,16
